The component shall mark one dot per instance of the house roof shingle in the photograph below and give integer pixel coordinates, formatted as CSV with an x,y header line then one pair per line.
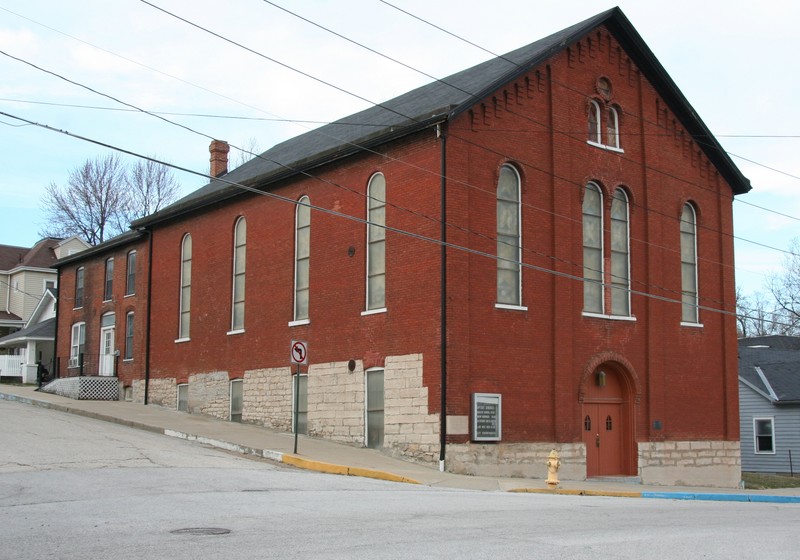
x,y
779,362
440,101
41,255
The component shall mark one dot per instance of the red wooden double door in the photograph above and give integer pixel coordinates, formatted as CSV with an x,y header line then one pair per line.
x,y
606,429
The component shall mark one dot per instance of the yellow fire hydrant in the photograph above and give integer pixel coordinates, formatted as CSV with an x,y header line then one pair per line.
x,y
553,464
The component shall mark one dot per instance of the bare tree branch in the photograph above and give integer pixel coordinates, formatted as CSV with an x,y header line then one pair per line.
x,y
101,198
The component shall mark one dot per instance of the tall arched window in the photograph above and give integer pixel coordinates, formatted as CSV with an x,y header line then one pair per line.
x,y
689,264
594,122
509,238
186,287
302,256
376,243
239,257
620,255
593,249
612,128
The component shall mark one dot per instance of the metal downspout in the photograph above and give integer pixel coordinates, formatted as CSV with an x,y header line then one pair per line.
x,y
440,132
55,367
147,316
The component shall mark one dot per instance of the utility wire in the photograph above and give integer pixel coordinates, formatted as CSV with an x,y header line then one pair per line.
x,y
356,219
572,264
460,38
469,232
627,134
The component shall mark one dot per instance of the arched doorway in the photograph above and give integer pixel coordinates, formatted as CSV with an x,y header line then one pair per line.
x,y
607,420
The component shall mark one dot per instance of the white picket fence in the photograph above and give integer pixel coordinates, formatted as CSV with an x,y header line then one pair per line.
x,y
11,366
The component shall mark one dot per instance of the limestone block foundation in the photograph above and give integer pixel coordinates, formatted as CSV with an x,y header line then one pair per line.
x,y
691,463
515,460
161,392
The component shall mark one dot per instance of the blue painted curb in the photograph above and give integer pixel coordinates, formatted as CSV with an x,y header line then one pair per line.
x,y
722,497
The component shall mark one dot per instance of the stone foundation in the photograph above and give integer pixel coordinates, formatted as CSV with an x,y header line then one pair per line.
x,y
410,431
267,398
517,460
336,408
161,392
210,394
691,463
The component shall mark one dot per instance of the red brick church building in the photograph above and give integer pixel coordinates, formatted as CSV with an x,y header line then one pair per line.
x,y
535,253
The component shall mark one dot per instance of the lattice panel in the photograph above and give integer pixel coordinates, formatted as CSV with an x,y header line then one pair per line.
x,y
98,389
85,388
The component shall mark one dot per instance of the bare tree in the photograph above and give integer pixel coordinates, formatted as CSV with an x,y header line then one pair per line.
x,y
248,151
101,197
785,288
757,315
88,205
151,186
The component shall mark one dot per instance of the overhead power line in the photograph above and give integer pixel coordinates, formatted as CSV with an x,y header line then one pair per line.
x,y
155,114
362,221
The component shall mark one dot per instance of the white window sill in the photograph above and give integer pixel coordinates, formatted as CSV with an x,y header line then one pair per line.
x,y
237,331
181,340
108,300
692,325
630,318
373,311
299,322
605,147
765,452
76,308
129,295
126,360
510,307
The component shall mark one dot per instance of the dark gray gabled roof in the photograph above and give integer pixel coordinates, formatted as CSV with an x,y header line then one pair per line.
x,y
439,101
773,371
123,238
46,330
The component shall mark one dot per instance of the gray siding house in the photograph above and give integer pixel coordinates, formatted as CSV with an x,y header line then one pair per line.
x,y
769,403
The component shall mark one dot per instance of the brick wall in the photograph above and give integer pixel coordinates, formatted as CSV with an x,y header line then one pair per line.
x,y
94,307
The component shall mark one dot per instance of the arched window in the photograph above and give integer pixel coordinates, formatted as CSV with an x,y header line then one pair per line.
x,y
593,249
594,122
130,282
612,128
186,287
239,258
689,264
128,336
79,279
302,255
620,255
108,286
376,243
509,238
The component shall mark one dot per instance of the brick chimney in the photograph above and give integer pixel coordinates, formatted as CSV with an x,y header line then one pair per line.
x,y
219,157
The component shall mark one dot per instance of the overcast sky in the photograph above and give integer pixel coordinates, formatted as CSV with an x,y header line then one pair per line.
x,y
734,61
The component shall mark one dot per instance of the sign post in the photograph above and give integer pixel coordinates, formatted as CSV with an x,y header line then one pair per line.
x,y
298,355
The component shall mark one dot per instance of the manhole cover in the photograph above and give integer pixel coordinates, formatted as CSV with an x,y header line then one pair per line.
x,y
201,531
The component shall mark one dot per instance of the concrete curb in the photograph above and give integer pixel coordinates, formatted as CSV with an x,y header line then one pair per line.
x,y
700,496
759,498
277,456
578,492
331,468
294,460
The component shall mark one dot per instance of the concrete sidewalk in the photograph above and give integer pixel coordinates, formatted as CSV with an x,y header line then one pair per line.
x,y
325,456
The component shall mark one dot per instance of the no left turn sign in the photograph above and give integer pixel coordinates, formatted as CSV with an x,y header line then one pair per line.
x,y
299,352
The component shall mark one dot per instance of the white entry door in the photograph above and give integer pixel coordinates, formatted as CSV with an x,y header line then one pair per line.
x,y
106,364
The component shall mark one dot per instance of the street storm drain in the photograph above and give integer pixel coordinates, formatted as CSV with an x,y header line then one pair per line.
x,y
201,531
